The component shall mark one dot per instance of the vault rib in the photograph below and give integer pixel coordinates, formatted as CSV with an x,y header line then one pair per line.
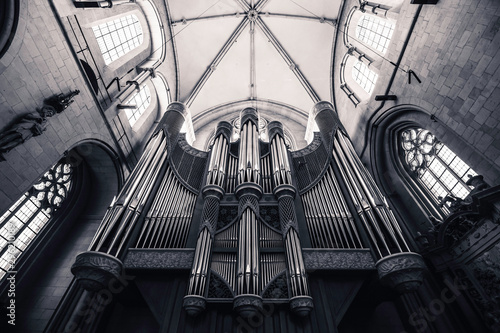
x,y
243,4
303,17
213,65
203,18
253,94
289,61
261,4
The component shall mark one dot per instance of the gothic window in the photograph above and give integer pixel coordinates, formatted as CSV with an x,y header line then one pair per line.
x,y
141,101
365,77
118,37
375,32
436,167
26,218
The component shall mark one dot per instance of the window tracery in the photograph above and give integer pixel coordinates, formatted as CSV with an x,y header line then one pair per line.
x,y
24,220
438,168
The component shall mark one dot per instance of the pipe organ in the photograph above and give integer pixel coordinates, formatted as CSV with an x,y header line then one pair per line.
x,y
249,218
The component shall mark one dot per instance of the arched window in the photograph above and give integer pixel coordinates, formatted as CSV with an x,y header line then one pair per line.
x,y
118,37
141,101
24,220
365,77
375,32
435,166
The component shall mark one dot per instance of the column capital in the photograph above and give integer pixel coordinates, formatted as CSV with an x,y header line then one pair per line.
x,y
96,270
402,271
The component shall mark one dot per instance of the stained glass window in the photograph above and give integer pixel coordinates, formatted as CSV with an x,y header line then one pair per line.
x,y
24,220
438,168
118,37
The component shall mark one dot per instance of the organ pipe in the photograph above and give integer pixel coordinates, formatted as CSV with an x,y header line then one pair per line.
x,y
247,301
118,223
396,265
102,262
301,302
194,302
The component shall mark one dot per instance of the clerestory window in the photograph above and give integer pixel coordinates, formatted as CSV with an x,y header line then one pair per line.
x,y
364,76
140,100
118,37
375,32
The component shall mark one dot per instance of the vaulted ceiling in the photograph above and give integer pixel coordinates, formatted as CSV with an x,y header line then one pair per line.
x,y
277,51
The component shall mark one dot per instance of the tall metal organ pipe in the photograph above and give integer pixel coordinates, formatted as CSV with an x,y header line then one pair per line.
x,y
300,302
396,264
102,263
247,301
194,301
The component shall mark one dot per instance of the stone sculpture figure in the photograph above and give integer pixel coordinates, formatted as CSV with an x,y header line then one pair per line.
x,y
62,101
32,124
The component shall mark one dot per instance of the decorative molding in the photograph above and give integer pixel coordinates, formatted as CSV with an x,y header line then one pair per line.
x,y
277,287
96,270
190,149
218,286
301,305
316,142
159,259
247,305
194,305
402,271
315,259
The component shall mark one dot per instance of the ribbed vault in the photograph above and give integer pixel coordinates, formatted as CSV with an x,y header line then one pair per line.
x,y
272,52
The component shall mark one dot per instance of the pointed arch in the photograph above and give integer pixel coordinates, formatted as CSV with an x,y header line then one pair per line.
x,y
410,197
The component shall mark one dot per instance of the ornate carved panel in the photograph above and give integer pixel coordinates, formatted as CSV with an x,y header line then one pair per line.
x,y
159,259
338,259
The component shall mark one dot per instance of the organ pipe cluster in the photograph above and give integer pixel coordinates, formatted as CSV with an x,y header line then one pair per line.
x,y
194,301
301,302
329,220
396,265
249,253
103,261
248,192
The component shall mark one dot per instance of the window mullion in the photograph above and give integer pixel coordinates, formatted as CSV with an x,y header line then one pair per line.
x,y
14,212
26,225
438,180
452,171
